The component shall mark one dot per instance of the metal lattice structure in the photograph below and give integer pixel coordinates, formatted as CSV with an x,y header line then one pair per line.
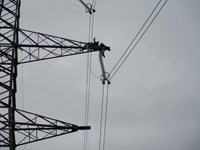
x,y
35,46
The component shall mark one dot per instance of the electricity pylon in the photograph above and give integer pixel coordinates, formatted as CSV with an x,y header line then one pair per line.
x,y
34,46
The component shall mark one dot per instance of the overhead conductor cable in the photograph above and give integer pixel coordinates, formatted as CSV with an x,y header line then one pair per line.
x,y
90,9
126,53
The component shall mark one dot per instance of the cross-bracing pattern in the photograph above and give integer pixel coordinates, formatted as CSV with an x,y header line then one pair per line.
x,y
19,127
37,46
34,127
9,25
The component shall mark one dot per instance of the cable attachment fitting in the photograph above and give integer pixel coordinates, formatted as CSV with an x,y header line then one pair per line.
x,y
88,7
95,46
105,77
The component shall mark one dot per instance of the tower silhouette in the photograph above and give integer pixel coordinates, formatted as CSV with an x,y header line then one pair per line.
x,y
34,46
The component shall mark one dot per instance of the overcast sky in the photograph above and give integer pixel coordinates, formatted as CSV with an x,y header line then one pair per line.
x,y
154,99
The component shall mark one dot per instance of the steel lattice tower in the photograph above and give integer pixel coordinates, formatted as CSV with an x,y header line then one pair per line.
x,y
35,46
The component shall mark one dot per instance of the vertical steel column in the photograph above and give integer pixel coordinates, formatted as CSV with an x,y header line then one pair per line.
x,y
9,27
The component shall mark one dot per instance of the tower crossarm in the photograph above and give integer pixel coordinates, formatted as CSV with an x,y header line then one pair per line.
x,y
36,46
34,127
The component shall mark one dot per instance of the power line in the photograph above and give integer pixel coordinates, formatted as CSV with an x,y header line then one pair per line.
x,y
22,94
73,4
67,3
118,66
88,80
94,4
101,120
135,37
103,117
